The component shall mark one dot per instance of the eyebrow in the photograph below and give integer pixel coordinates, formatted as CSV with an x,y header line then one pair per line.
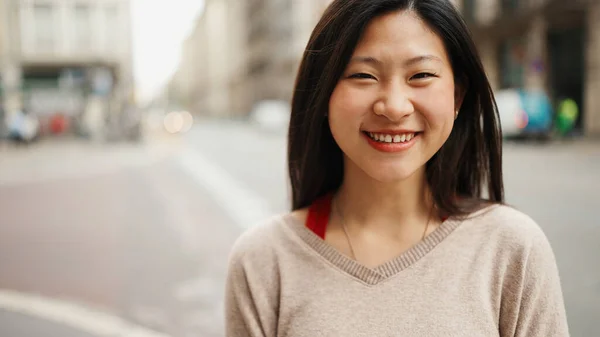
x,y
407,63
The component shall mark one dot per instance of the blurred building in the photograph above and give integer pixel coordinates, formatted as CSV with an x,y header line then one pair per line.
x,y
67,57
265,40
242,52
552,45
212,62
277,36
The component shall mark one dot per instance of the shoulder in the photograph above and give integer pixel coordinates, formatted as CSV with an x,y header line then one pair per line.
x,y
525,279
510,230
506,221
263,242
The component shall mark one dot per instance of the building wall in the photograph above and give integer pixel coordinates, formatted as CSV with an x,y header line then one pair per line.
x,y
211,69
279,50
188,85
239,96
184,80
536,58
10,70
265,42
3,32
493,26
211,72
51,36
59,34
592,84
216,72
59,30
268,37
486,10
3,41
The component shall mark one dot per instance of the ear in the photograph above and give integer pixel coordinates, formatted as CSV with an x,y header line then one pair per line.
x,y
460,90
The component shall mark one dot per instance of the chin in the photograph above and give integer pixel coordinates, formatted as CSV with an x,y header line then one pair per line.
x,y
392,174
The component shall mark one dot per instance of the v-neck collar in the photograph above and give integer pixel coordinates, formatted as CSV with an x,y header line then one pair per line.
x,y
373,276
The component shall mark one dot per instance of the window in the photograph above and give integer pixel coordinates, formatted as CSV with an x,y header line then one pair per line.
x,y
83,31
43,14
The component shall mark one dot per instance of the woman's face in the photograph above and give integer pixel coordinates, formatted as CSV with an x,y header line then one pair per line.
x,y
393,108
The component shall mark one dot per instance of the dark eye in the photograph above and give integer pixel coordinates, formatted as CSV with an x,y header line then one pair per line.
x,y
362,76
421,76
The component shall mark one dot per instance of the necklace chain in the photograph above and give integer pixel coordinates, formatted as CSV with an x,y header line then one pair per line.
x,y
339,212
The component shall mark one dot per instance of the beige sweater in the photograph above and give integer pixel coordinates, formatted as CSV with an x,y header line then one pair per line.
x,y
492,274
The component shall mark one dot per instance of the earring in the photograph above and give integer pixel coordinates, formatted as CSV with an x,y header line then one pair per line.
x,y
455,114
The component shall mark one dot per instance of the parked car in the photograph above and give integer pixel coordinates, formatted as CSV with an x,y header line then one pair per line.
x,y
525,113
23,128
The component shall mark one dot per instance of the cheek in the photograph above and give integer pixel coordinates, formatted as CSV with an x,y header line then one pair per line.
x,y
347,103
346,114
438,107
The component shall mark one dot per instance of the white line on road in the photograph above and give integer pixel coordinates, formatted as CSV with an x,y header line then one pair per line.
x,y
243,206
69,314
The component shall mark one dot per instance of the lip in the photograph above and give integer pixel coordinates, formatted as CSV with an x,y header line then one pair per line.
x,y
392,132
391,147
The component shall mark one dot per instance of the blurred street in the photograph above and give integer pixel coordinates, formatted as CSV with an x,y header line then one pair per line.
x,y
143,231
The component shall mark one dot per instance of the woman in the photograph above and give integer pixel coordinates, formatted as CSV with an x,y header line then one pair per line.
x,y
393,139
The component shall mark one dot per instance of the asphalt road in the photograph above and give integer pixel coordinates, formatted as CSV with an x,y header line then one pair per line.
x,y
20,325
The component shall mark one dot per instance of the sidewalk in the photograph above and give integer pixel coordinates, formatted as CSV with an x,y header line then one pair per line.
x,y
72,157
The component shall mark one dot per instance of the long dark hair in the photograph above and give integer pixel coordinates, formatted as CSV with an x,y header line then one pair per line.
x,y
459,173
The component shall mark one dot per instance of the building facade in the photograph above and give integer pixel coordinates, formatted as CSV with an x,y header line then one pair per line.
x,y
265,40
553,45
68,57
212,63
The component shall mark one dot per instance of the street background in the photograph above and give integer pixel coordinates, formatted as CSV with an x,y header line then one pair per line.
x,y
133,154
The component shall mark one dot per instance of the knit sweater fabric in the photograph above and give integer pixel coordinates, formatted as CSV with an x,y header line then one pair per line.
x,y
492,273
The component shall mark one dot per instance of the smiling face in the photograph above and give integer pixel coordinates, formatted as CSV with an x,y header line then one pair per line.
x,y
394,106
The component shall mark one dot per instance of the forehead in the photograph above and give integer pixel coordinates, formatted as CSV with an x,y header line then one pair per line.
x,y
400,35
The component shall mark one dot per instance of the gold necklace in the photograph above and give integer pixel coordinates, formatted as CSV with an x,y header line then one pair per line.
x,y
338,211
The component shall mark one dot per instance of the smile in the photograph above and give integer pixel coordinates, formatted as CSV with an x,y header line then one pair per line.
x,y
387,138
391,142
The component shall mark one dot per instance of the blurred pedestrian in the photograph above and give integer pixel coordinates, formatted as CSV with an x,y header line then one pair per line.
x,y
566,117
58,124
399,226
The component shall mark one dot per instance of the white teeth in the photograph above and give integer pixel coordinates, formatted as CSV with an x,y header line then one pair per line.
x,y
380,137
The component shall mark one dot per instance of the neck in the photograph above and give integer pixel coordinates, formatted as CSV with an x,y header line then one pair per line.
x,y
389,207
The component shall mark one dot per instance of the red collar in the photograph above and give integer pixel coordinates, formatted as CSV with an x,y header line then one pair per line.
x,y
318,215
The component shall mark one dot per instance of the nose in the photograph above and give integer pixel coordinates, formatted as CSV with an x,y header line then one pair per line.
x,y
394,103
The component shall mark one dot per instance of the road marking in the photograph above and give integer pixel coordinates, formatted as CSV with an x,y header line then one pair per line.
x,y
72,315
245,207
